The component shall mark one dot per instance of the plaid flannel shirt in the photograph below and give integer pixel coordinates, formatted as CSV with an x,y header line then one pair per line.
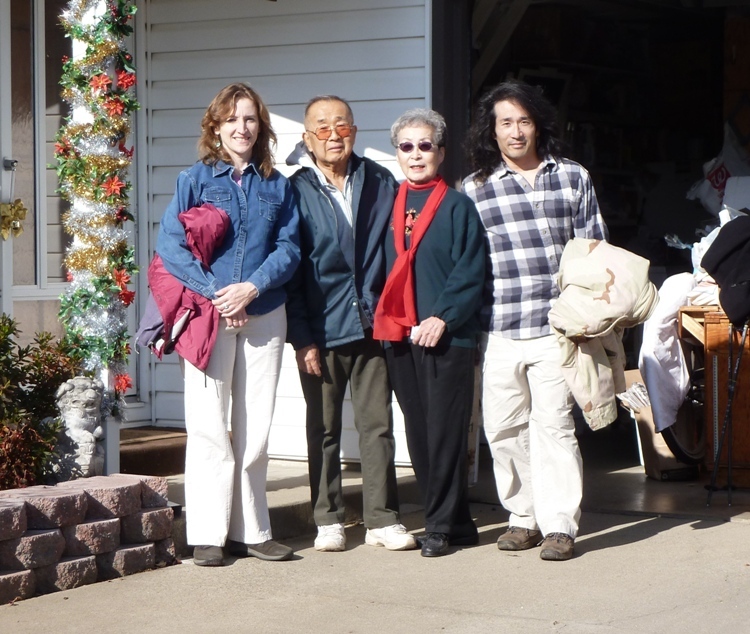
x,y
527,230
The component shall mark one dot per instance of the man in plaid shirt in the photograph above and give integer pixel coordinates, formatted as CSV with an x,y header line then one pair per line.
x,y
531,201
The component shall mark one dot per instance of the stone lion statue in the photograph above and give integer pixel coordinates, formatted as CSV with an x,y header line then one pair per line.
x,y
80,452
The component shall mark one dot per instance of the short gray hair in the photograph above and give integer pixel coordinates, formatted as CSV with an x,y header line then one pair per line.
x,y
420,117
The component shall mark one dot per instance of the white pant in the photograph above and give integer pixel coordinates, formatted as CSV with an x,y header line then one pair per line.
x,y
526,405
225,481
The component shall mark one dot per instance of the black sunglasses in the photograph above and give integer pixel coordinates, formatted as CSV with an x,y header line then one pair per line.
x,y
424,146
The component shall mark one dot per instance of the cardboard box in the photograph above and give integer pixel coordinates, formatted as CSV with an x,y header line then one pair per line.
x,y
657,458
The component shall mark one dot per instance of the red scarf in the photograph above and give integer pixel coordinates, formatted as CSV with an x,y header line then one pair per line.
x,y
397,310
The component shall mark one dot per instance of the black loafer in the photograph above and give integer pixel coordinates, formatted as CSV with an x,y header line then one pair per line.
x,y
435,545
268,550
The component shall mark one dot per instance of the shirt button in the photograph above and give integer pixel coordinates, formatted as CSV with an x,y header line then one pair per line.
x,y
543,232
354,303
537,205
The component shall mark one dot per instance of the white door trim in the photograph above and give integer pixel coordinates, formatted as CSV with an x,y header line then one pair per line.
x,y
6,247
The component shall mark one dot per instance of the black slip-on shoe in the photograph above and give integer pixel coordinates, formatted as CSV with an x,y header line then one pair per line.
x,y
208,556
268,550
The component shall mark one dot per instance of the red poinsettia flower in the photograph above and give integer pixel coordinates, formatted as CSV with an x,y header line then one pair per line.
x,y
69,276
127,297
121,277
123,383
100,83
113,186
114,107
125,79
62,147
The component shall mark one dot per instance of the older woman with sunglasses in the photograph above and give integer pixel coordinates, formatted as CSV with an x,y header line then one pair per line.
x,y
428,315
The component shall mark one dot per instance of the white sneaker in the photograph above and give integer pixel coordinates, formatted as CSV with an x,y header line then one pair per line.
x,y
393,537
331,538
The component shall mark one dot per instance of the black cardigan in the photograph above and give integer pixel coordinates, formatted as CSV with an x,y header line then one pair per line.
x,y
449,266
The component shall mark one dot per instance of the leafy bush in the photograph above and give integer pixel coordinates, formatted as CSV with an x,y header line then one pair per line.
x,y
24,453
29,378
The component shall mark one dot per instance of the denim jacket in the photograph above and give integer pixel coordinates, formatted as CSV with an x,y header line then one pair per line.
x,y
261,245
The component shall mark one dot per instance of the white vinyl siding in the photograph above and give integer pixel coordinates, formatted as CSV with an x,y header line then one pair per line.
x,y
374,53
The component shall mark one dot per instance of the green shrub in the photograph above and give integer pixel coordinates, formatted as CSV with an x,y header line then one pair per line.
x,y
29,378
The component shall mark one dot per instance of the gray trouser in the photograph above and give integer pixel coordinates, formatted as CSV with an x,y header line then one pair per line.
x,y
362,365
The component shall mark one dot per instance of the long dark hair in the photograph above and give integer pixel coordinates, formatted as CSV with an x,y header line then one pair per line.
x,y
221,107
482,150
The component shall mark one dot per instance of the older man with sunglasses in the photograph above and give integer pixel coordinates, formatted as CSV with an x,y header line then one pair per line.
x,y
345,204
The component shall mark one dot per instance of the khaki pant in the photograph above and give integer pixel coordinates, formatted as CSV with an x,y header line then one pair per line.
x,y
526,406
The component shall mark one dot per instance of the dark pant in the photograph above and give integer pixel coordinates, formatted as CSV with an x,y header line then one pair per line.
x,y
362,365
435,387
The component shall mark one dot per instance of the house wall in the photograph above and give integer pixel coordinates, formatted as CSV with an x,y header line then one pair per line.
x,y
374,53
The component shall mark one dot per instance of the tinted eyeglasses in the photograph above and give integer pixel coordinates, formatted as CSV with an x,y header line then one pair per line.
x,y
324,132
424,146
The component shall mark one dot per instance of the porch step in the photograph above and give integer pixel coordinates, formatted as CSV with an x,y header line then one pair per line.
x,y
158,451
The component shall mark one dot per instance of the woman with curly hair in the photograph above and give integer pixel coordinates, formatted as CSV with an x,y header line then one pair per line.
x,y
233,186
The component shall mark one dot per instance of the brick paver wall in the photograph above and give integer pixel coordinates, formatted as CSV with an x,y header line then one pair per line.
x,y
75,533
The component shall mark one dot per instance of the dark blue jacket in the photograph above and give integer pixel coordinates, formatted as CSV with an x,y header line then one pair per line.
x,y
325,295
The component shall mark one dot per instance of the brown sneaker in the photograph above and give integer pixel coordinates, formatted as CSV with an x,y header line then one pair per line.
x,y
557,547
517,538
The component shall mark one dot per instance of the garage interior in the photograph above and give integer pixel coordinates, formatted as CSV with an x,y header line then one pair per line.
x,y
644,90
